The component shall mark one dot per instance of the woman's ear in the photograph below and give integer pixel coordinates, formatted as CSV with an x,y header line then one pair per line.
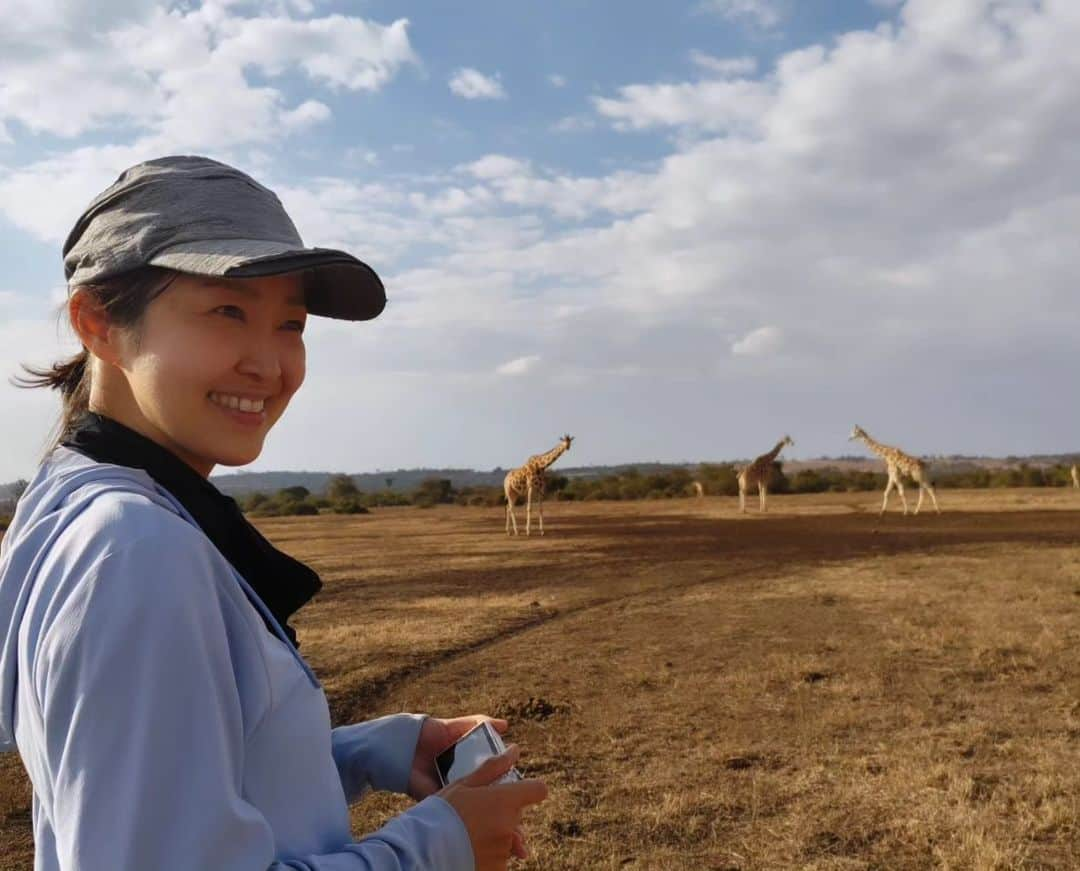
x,y
91,325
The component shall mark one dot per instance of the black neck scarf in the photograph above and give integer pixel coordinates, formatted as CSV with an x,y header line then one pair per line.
x,y
282,583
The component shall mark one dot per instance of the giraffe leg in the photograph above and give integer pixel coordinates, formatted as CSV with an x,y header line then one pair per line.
x,y
510,515
528,512
918,502
933,497
885,502
762,492
540,510
903,499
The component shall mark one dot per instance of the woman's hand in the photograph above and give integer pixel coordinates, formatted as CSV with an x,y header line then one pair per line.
x,y
491,811
435,736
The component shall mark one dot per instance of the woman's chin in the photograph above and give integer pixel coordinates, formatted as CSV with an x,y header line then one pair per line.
x,y
238,456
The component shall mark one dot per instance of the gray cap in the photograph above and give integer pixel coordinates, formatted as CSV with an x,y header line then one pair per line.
x,y
198,216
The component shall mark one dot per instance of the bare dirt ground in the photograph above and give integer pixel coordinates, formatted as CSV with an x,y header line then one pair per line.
x,y
810,689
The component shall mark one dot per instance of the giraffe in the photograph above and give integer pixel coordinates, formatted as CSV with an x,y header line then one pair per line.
x,y
898,463
1075,476
758,473
699,491
529,479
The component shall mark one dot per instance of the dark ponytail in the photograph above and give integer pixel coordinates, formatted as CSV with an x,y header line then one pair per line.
x,y
124,300
72,379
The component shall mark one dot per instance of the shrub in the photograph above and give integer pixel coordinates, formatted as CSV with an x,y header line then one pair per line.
x,y
719,479
385,498
480,496
341,487
253,501
349,505
433,491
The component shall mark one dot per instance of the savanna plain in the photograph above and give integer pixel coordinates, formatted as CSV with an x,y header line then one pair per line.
x,y
814,688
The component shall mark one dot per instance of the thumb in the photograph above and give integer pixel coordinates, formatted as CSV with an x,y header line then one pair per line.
x,y
493,768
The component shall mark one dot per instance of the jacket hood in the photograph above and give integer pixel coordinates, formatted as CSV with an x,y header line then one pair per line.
x,y
64,485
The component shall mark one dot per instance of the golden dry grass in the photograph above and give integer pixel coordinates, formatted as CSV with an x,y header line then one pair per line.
x,y
812,689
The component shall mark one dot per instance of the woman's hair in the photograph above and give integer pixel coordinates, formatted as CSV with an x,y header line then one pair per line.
x,y
123,300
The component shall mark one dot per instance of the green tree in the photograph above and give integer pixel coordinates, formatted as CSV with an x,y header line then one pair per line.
x,y
433,491
18,488
341,487
254,501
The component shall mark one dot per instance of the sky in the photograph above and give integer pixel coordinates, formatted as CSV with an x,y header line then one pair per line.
x,y
676,231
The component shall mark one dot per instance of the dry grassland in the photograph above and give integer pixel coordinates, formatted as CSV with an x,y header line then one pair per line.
x,y
813,689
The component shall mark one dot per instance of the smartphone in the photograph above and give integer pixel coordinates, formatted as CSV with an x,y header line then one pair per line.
x,y
465,755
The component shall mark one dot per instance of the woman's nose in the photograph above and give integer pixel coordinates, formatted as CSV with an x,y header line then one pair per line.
x,y
261,358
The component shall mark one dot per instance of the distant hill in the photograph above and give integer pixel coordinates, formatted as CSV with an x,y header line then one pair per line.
x,y
237,484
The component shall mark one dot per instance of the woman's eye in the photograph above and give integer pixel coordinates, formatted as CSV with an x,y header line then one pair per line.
x,y
295,326
231,311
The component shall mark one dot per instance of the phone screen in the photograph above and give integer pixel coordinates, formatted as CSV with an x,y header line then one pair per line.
x,y
467,754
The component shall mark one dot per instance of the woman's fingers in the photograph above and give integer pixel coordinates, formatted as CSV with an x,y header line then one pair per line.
x,y
517,847
523,793
460,725
493,768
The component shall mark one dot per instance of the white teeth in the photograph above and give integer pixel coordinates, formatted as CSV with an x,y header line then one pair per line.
x,y
249,405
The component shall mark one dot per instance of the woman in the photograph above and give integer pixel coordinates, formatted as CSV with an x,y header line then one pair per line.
x,y
148,674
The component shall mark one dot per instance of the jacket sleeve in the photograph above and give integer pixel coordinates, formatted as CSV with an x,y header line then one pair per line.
x,y
376,754
144,734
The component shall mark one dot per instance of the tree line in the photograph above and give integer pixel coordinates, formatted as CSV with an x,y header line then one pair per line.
x,y
342,496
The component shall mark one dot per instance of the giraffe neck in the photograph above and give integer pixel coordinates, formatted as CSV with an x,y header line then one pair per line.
x,y
542,461
884,451
772,455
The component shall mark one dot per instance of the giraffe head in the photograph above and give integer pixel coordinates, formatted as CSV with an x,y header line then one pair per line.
x,y
857,433
565,441
787,440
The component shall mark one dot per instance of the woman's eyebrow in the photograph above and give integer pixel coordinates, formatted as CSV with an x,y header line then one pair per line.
x,y
248,291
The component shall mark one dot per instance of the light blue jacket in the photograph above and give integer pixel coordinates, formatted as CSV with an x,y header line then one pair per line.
x,y
162,725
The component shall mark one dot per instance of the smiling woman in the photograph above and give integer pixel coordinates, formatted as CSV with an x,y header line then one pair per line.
x,y
147,651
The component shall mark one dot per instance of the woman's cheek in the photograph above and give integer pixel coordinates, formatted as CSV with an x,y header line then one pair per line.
x,y
300,366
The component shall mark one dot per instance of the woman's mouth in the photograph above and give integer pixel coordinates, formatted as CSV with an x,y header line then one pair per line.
x,y
240,408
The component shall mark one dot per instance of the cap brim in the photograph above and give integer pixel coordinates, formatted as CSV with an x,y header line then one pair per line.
x,y
341,286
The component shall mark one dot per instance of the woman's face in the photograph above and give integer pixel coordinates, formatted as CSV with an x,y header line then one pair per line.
x,y
214,366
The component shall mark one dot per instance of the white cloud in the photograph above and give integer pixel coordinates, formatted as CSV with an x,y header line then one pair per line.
x,y
451,200
762,13
557,81
138,65
759,342
715,105
45,198
519,366
724,66
492,166
308,113
574,124
340,51
361,156
474,85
